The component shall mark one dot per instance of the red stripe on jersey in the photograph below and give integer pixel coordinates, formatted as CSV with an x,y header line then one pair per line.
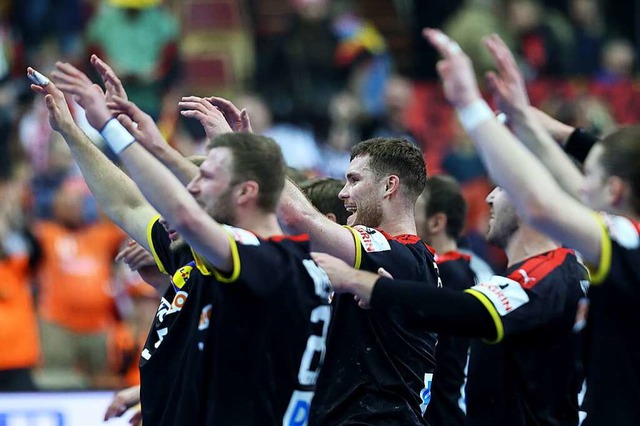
x,y
451,255
297,238
534,269
407,239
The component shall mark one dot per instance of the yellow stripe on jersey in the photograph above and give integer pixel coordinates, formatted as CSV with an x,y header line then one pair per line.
x,y
356,240
492,311
152,222
235,258
598,276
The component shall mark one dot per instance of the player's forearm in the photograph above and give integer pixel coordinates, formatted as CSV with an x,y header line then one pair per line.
x,y
115,192
559,131
437,309
530,131
180,166
298,216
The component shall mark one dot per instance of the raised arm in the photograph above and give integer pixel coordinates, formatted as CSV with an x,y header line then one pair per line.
x,y
153,141
299,216
511,97
117,195
537,196
160,187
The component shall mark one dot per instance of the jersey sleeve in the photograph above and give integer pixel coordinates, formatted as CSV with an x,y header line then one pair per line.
x,y
515,309
159,242
619,254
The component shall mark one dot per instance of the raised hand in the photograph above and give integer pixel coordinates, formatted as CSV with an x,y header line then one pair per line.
x,y
507,86
112,83
60,117
88,95
210,117
237,119
455,69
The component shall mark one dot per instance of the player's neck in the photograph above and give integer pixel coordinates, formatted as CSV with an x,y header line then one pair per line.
x,y
527,242
442,243
264,225
398,224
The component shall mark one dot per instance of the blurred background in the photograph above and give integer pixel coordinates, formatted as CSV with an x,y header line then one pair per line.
x,y
316,75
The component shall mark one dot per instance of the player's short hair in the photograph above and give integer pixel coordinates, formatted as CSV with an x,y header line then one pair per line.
x,y
256,158
444,195
395,156
621,157
323,194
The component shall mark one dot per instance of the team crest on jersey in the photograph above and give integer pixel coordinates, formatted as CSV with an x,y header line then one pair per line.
x,y
371,239
623,231
182,275
242,236
505,294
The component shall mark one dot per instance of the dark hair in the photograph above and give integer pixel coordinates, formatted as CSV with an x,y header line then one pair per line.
x,y
395,156
621,157
323,194
443,195
255,158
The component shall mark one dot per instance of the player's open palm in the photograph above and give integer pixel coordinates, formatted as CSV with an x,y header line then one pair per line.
x,y
88,95
238,119
210,117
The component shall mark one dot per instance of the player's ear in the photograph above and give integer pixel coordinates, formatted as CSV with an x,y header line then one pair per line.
x,y
616,190
248,191
437,223
391,185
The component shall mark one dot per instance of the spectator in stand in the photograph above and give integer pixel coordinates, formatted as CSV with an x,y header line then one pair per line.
x,y
18,327
542,48
398,93
617,62
587,20
298,143
140,40
76,306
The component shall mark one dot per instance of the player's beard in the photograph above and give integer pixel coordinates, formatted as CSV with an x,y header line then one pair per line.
x,y
224,210
501,229
369,214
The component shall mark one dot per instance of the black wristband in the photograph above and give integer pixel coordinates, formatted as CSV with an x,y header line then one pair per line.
x,y
579,144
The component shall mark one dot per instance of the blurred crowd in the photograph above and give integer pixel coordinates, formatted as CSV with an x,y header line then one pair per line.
x,y
325,80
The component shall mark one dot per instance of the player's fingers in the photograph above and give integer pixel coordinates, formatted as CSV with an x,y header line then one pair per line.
x,y
384,273
442,43
131,126
69,69
227,107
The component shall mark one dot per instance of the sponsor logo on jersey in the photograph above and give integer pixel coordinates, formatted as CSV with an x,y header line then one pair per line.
x,y
182,275
242,236
623,231
372,240
505,294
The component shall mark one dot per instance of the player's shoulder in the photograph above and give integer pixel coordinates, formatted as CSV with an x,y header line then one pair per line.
x,y
536,269
622,230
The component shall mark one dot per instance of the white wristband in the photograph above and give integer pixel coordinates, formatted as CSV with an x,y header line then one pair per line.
x,y
474,114
117,137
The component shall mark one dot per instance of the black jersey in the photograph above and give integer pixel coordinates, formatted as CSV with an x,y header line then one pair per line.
x,y
447,397
172,361
613,345
530,377
269,323
378,361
